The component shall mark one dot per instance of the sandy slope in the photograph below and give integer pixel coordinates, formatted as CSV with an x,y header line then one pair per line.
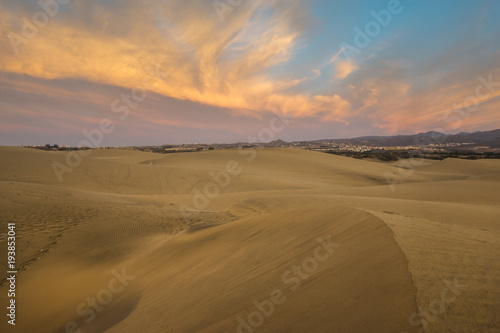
x,y
131,230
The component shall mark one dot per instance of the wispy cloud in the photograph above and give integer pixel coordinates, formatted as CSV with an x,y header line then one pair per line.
x,y
224,64
344,68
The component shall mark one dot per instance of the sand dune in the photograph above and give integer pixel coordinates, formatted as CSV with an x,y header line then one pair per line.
x,y
274,240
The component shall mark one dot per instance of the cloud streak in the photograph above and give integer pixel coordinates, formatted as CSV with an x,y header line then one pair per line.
x,y
224,64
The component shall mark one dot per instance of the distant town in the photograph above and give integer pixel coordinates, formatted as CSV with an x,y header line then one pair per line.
x,y
430,145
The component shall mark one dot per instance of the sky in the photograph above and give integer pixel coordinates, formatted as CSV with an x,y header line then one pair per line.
x,y
151,72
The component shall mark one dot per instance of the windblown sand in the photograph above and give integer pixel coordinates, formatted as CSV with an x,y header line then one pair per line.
x,y
291,241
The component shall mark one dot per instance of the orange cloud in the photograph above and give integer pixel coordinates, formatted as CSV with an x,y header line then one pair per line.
x,y
185,52
344,68
391,106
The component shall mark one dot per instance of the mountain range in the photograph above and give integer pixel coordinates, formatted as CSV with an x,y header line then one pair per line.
x,y
486,138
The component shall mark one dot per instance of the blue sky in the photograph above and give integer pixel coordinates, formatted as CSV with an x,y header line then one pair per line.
x,y
196,74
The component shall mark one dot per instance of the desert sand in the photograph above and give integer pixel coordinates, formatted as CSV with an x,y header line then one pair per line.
x,y
279,240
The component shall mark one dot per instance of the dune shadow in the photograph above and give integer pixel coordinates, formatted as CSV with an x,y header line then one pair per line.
x,y
111,314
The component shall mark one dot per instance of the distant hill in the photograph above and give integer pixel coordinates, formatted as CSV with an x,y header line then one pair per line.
x,y
488,138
